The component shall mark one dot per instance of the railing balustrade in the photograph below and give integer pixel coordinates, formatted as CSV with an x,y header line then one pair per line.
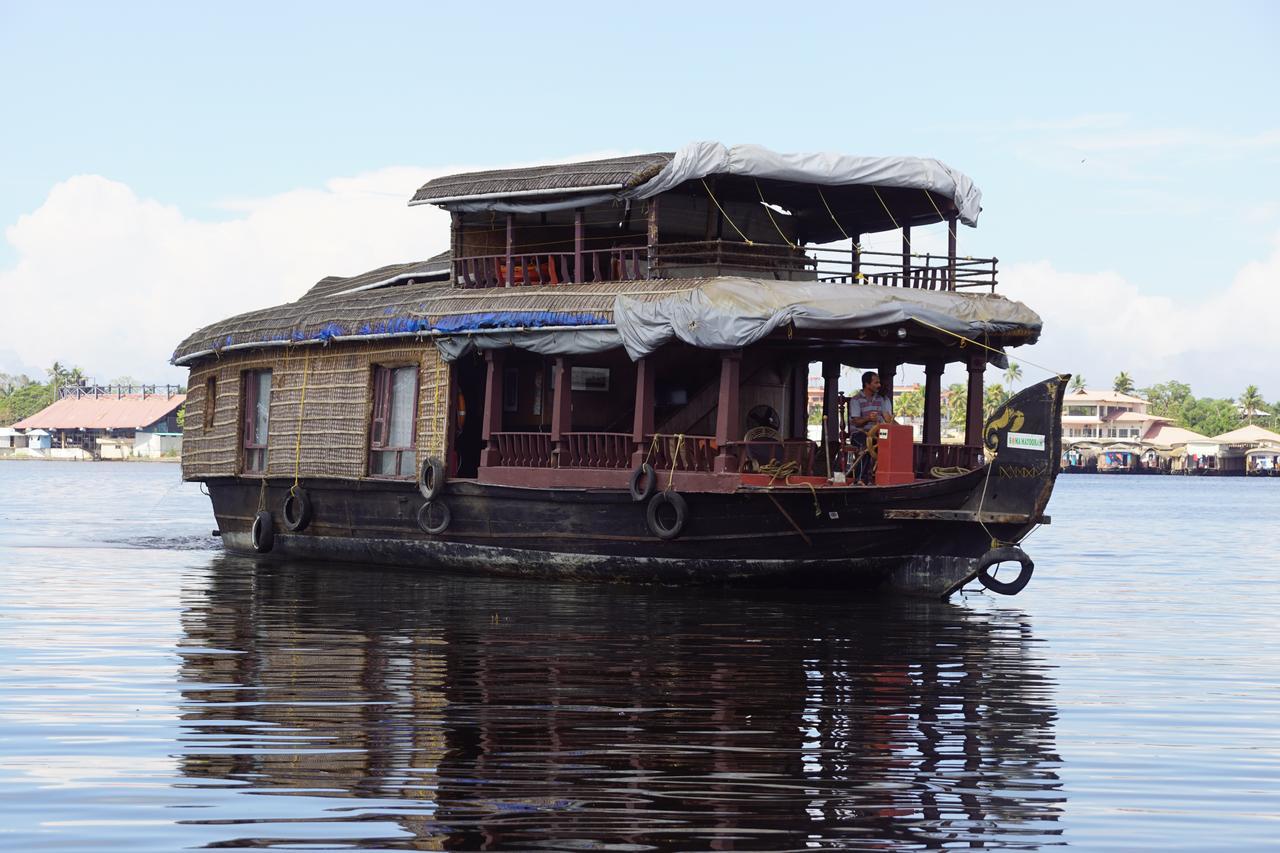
x,y
615,264
686,452
930,456
595,450
522,449
924,271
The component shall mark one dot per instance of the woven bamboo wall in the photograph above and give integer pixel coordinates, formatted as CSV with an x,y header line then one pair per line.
x,y
324,394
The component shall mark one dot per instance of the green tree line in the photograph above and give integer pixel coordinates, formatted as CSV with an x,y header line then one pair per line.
x,y
21,396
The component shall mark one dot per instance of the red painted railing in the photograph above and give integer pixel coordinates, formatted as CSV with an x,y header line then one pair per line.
x,y
616,264
596,450
689,452
930,456
754,455
522,449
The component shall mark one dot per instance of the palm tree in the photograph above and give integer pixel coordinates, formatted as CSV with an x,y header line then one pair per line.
x,y
1077,383
1123,384
1012,374
1250,402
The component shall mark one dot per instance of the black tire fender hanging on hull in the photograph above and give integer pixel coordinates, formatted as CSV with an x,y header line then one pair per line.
x,y
1007,554
261,534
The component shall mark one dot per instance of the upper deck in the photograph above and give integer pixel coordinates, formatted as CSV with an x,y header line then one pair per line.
x,y
708,210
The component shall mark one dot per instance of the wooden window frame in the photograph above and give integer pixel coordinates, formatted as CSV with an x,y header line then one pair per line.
x,y
249,402
210,400
381,383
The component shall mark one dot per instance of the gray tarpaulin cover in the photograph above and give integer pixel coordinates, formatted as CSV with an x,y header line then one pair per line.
x,y
731,312
703,159
736,312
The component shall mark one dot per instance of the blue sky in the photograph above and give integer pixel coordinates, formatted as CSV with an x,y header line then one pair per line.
x,y
1128,154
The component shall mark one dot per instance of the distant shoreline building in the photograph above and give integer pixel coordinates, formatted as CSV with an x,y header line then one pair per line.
x,y
102,422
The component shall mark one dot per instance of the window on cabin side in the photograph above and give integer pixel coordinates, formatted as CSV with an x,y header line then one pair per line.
x,y
257,405
391,434
210,400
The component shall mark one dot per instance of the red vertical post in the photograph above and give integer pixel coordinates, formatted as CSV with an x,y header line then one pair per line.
x,y
831,403
578,240
561,404
642,423
973,405
799,401
728,427
492,406
932,432
511,241
951,252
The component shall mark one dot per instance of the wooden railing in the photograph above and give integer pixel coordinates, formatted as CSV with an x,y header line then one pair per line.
x,y
595,450
522,449
616,264
930,456
688,452
752,455
925,271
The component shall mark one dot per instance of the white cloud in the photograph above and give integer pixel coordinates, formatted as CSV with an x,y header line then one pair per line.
x,y
1100,323
111,282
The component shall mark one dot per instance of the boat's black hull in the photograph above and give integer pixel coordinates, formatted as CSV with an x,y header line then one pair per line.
x,y
921,538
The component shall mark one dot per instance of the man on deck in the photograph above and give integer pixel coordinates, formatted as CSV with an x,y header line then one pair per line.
x,y
867,409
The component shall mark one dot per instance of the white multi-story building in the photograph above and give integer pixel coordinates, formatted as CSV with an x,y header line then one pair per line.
x,y
1106,416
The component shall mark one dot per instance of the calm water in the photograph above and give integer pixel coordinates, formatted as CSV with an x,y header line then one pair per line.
x,y
156,694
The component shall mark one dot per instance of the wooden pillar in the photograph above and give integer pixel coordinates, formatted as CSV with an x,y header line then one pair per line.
x,y
973,405
728,425
651,252
951,252
932,432
906,255
642,423
888,370
831,399
799,401
492,405
455,245
857,256
578,240
511,241
561,404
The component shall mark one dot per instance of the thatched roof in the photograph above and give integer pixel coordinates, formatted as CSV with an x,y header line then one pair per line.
x,y
433,268
421,308
615,173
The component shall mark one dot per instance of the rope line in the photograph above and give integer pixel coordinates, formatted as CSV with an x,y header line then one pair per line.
x,y
950,227
888,212
712,195
965,341
768,210
832,214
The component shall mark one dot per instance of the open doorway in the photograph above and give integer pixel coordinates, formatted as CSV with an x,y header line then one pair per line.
x,y
468,414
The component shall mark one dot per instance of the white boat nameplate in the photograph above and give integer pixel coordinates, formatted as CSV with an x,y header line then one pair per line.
x,y
1024,441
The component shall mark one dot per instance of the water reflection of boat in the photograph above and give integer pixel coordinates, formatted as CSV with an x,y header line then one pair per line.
x,y
492,713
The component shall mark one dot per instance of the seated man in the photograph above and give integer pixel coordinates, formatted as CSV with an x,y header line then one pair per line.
x,y
867,409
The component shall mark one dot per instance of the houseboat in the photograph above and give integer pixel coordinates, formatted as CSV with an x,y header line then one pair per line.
x,y
606,377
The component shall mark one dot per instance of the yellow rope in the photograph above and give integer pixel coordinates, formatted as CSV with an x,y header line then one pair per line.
x,y
965,341
833,217
712,195
950,227
674,457
302,406
768,210
905,238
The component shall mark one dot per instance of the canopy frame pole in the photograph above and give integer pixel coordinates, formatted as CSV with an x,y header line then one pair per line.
x,y
728,426
931,432
642,422
561,406
492,407
578,240
951,251
973,405
511,239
